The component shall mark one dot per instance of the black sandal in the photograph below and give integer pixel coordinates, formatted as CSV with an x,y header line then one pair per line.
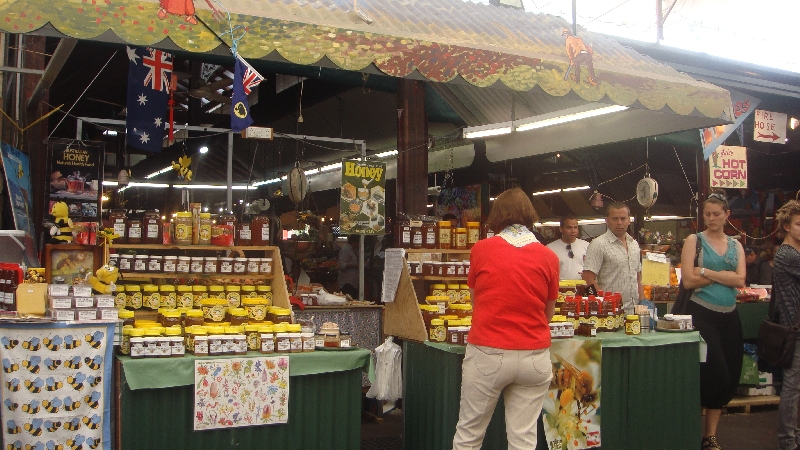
x,y
710,443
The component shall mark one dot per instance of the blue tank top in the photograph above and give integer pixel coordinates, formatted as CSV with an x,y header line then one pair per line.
x,y
715,296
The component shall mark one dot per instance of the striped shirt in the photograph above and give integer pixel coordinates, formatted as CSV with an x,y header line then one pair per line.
x,y
617,269
786,283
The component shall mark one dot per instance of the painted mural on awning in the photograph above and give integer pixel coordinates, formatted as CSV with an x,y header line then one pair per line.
x,y
441,39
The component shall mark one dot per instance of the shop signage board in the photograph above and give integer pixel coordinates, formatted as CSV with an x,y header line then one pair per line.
x,y
770,127
76,177
241,392
727,167
362,201
17,168
571,409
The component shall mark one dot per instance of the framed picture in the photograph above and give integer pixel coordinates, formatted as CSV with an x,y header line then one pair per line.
x,y
69,263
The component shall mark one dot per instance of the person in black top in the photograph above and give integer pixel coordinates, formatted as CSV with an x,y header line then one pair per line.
x,y
758,270
786,289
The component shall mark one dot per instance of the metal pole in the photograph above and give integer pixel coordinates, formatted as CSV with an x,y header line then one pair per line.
x,y
230,171
79,130
361,242
574,17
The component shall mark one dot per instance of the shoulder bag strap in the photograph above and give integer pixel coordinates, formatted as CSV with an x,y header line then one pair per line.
x,y
697,249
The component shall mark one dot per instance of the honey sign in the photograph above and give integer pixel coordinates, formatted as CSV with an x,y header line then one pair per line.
x,y
727,167
362,202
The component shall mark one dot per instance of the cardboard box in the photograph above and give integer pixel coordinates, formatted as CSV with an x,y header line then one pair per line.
x,y
104,301
87,314
62,314
84,302
58,289
58,302
756,391
32,299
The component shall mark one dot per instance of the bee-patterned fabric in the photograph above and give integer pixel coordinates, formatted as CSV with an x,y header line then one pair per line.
x,y
56,384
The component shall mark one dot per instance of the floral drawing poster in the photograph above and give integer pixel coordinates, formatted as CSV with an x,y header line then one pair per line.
x,y
572,406
240,392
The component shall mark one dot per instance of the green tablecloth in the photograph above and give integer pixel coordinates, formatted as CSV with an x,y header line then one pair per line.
x,y
650,393
157,373
751,315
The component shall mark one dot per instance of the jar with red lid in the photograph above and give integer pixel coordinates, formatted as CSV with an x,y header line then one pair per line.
x,y
260,230
429,232
230,220
118,220
134,230
152,224
222,234
244,236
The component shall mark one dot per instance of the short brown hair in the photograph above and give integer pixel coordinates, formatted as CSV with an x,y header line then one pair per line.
x,y
785,213
617,205
511,207
717,197
567,217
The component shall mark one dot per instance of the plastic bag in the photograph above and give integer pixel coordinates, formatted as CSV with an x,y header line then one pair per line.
x,y
388,383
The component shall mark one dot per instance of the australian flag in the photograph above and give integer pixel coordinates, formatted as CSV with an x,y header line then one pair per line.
x,y
245,78
148,95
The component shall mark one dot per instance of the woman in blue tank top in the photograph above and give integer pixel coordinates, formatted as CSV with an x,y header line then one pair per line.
x,y
721,269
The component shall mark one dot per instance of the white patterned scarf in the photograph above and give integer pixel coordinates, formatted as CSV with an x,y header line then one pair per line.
x,y
518,235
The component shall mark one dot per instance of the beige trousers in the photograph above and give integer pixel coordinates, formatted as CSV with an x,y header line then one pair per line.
x,y
521,376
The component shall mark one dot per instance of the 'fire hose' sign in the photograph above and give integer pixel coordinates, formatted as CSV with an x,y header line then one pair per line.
x,y
770,127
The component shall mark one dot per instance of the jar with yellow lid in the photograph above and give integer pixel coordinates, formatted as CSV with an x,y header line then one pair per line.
x,y
199,293
437,331
248,291
216,291
125,343
184,296
194,317
171,318
429,312
234,295
253,337
238,316
127,317
183,228
438,289
137,346
632,324
140,323
120,299
463,293
460,309
265,292
205,229
151,298
473,233
281,315
440,301
169,298
133,296
256,308
267,336
177,345
214,309
453,292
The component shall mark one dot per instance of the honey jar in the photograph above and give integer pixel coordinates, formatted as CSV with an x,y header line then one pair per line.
x,y
199,293
133,296
151,298
233,296
169,298
185,297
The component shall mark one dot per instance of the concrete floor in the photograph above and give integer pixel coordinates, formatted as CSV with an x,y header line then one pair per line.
x,y
737,431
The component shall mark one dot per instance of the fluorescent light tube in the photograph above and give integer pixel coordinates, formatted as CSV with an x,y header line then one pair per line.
x,y
158,172
486,131
110,183
548,122
576,188
551,191
152,185
385,154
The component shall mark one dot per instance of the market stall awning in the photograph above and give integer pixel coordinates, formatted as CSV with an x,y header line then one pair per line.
x,y
435,40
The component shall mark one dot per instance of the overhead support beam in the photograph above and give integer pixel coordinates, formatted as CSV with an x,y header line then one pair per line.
x,y
21,70
412,145
60,56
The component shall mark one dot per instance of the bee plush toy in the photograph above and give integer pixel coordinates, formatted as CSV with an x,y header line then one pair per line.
x,y
103,281
61,232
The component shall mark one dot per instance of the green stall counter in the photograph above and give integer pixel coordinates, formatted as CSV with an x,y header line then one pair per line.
x,y
650,393
156,405
750,313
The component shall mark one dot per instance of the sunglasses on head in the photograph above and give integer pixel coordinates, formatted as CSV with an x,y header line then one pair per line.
x,y
569,251
717,196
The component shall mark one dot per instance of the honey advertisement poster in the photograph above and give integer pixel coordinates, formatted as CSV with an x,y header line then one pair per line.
x,y
75,171
362,202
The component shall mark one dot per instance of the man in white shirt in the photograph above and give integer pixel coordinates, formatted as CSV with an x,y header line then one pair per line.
x,y
612,260
570,250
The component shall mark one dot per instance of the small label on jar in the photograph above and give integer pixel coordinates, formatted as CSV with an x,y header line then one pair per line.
x,y
215,345
225,267
87,314
137,349
265,233
135,232
252,266
308,344
152,231
104,301
245,234
125,264
319,341
84,302
268,344
153,300
186,300
119,229
296,343
211,267
196,267
201,347
140,265
177,348
284,344
134,300
265,267
169,265
154,266
344,343
239,267
406,237
182,267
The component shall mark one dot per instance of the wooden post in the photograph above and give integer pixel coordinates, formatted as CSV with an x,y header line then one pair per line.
x,y
412,145
35,138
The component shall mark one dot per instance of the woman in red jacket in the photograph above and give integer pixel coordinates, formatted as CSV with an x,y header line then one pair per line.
x,y
513,280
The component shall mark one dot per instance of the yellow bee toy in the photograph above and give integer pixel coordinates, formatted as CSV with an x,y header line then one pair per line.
x,y
103,281
182,167
61,232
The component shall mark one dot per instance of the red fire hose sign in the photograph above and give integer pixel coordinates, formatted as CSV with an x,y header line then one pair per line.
x,y
770,127
727,167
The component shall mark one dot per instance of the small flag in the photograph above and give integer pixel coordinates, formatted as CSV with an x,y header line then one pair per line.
x,y
148,94
245,78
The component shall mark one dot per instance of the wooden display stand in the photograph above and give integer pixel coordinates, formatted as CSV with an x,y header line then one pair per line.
x,y
403,317
280,295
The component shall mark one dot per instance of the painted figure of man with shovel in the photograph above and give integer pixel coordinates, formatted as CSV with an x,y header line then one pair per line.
x,y
578,53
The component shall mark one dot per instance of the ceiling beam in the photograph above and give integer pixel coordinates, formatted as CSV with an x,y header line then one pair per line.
x,y
60,56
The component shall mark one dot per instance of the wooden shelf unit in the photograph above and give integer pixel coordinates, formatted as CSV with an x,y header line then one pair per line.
x,y
402,318
280,294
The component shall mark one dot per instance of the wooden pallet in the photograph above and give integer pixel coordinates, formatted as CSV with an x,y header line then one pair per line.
x,y
746,402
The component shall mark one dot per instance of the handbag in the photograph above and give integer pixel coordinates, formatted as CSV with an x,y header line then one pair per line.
x,y
681,305
775,341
